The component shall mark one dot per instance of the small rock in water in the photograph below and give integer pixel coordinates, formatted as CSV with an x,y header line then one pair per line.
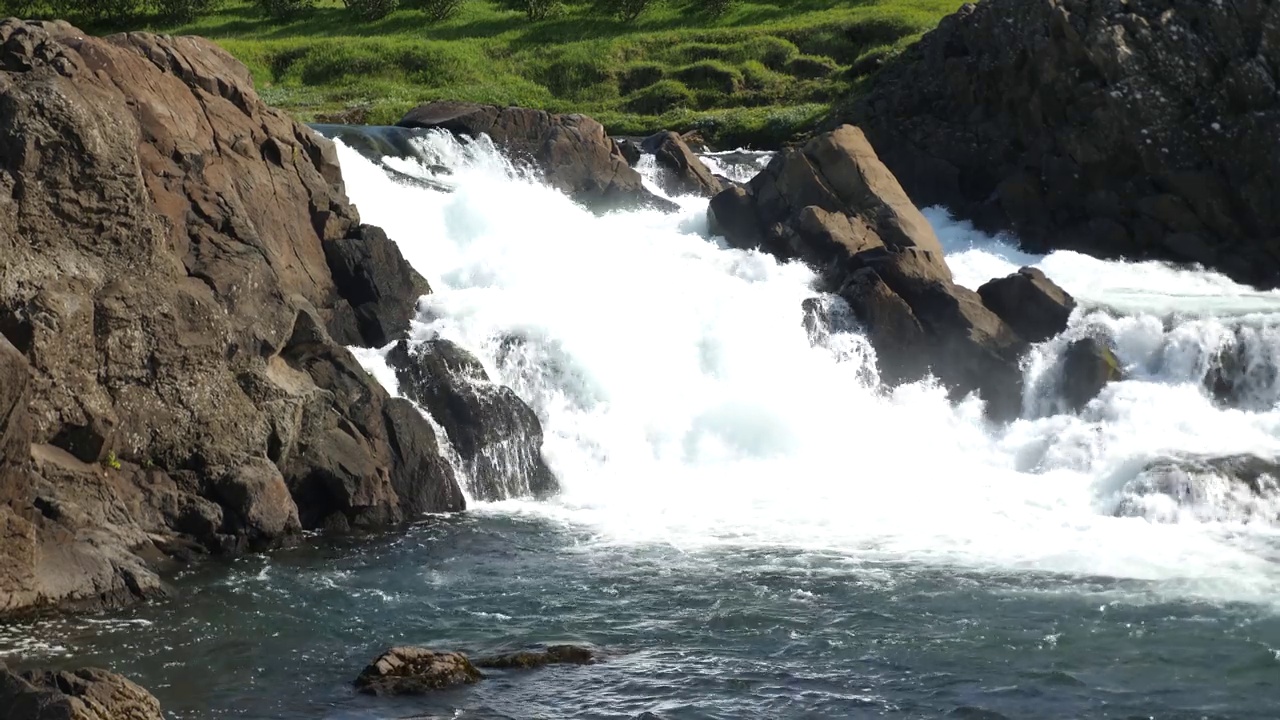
x,y
553,655
1087,366
415,671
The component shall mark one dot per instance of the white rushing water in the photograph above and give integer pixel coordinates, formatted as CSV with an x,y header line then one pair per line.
x,y
684,402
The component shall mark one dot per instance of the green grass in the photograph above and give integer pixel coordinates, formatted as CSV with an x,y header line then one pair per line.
x,y
760,75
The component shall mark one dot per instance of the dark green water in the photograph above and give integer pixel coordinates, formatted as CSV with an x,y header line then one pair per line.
x,y
724,633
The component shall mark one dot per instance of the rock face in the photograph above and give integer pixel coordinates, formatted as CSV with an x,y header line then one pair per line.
x,y
1139,128
683,173
415,671
834,205
179,272
76,695
1033,305
497,435
572,152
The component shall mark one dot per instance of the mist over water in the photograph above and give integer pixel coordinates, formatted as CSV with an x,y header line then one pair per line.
x,y
685,403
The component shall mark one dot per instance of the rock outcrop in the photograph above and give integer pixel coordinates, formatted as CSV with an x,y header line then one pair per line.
x,y
1135,128
496,434
551,655
682,172
1033,305
571,153
1088,366
76,695
415,671
834,205
180,270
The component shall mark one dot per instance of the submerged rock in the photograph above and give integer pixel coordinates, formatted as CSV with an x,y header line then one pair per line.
x,y
552,655
682,172
1233,488
834,205
572,152
416,671
176,302
497,435
1033,305
1088,365
88,694
1139,129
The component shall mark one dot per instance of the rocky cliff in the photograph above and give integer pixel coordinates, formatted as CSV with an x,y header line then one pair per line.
x,y
1135,128
180,271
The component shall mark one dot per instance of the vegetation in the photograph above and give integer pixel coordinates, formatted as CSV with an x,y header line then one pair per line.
x,y
741,72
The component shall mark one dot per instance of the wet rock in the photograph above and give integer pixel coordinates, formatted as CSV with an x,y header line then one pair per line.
x,y
573,152
834,205
87,694
631,152
683,172
182,288
1087,366
1033,305
552,655
497,435
1134,129
1233,488
416,671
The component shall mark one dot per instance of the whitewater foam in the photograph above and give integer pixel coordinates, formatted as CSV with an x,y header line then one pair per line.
x,y
685,402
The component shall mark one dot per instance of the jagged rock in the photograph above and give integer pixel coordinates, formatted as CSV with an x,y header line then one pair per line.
x,y
834,205
683,173
1143,129
497,435
379,284
88,694
416,671
171,290
573,152
552,655
631,152
1087,366
1033,305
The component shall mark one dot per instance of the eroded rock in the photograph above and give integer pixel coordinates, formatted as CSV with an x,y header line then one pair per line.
x,y
1088,365
1033,305
88,694
416,671
552,655
683,173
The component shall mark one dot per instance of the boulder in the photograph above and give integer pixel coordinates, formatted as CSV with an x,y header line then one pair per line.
x,y
496,434
1033,305
1088,365
682,172
631,152
1125,129
87,694
552,655
1229,488
416,671
571,152
179,293
833,204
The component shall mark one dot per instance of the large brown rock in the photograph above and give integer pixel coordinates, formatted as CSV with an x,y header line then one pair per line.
x,y
180,270
571,152
1033,305
833,204
1139,128
88,694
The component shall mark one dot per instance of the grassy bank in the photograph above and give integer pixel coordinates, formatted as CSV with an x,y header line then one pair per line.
x,y
759,75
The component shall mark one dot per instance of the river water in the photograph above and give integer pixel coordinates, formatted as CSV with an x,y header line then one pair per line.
x,y
750,525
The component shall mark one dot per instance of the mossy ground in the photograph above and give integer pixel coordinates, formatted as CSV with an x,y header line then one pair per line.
x,y
759,75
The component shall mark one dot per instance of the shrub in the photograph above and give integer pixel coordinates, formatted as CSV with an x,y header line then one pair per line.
x,y
811,67
371,9
20,8
710,75
716,8
184,10
437,10
661,97
535,9
569,77
625,10
285,9
773,51
95,10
